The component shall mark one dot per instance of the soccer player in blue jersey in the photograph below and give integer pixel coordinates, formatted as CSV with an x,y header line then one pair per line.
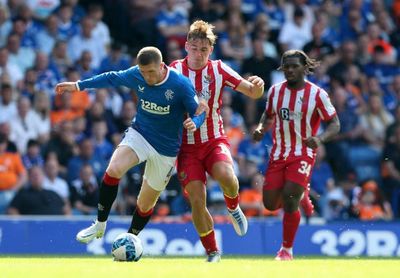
x,y
164,95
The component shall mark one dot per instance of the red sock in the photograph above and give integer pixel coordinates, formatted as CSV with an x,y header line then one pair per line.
x,y
231,203
291,222
209,242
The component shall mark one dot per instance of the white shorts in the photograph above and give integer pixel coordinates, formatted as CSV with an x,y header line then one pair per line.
x,y
159,168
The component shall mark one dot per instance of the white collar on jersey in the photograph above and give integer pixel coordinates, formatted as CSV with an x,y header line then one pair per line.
x,y
165,78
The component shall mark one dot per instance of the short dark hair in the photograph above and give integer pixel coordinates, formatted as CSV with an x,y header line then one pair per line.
x,y
148,55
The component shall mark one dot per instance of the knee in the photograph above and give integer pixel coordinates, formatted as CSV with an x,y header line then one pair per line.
x,y
291,201
271,205
225,176
115,170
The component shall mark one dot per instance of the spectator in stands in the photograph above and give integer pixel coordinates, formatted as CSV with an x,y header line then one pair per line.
x,y
34,199
350,133
5,24
261,65
295,34
59,58
33,157
85,192
86,156
262,31
100,30
84,65
62,144
47,77
102,146
86,40
22,56
67,27
254,151
25,125
42,108
172,23
390,131
47,37
347,58
375,121
8,105
9,68
65,110
5,130
370,204
235,43
116,59
12,174
53,182
174,51
318,48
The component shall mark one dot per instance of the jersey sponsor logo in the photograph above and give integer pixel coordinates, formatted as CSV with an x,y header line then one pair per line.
x,y
153,108
169,95
287,115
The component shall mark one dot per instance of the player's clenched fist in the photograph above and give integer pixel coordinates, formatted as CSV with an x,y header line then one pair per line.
x,y
258,134
66,87
257,81
189,125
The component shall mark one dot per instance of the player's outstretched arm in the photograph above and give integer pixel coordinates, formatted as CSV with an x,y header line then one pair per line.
x,y
66,87
331,130
252,87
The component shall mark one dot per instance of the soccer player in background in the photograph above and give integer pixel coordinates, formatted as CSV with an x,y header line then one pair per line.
x,y
206,150
294,109
164,95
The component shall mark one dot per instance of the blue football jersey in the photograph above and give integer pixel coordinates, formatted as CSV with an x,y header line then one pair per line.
x,y
161,107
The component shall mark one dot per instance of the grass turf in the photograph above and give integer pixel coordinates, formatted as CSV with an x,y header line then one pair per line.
x,y
229,267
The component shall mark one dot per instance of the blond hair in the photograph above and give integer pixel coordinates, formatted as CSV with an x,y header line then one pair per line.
x,y
202,30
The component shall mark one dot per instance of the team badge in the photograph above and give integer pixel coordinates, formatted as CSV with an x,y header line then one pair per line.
x,y
182,176
169,94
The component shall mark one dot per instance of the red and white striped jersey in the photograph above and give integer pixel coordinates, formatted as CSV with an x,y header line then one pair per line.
x,y
297,114
209,83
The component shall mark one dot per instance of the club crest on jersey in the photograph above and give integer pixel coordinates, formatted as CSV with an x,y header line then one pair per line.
x,y
169,94
140,89
208,79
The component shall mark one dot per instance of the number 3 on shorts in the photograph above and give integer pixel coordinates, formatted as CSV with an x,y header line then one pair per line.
x,y
305,168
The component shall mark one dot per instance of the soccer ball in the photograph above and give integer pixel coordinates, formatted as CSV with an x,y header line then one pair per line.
x,y
127,248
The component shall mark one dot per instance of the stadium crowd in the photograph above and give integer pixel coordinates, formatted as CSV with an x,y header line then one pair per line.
x,y
54,148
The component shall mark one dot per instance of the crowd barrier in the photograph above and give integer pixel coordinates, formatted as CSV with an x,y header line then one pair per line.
x,y
56,235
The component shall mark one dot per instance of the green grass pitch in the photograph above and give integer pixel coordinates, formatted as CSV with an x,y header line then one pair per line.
x,y
174,267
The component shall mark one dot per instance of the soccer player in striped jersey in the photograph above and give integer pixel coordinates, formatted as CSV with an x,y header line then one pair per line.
x,y
164,95
294,110
207,149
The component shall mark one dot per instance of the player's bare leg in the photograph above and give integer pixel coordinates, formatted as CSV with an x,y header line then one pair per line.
x,y
121,161
291,196
147,199
202,219
223,173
